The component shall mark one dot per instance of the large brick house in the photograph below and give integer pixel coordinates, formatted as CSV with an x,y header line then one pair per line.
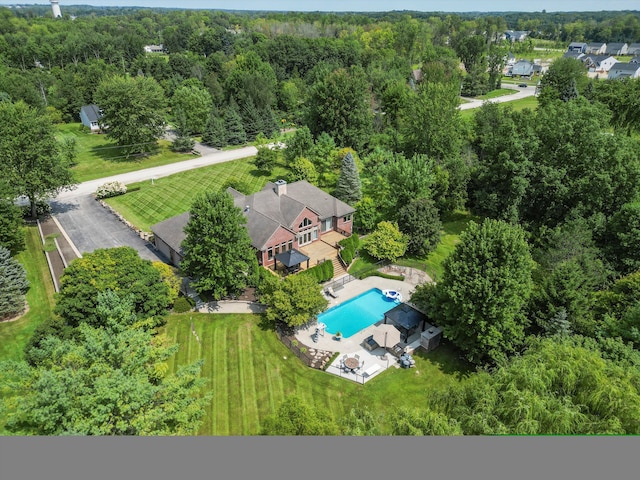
x,y
280,217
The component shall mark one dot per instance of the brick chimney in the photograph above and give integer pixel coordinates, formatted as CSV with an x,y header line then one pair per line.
x,y
281,187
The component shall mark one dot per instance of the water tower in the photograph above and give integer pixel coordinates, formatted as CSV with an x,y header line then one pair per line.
x,y
56,9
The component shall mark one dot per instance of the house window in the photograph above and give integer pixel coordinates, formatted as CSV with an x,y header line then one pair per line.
x,y
277,249
270,254
315,233
307,236
283,247
327,224
346,218
290,244
305,223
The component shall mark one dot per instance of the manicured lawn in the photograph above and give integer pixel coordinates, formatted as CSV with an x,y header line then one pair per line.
x,y
147,204
501,92
452,227
15,335
97,157
251,372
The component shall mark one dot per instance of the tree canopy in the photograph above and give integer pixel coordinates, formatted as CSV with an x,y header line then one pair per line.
x,y
217,248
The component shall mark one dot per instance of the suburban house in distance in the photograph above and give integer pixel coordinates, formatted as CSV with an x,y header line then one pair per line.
x,y
624,70
616,49
579,47
280,218
596,48
90,117
599,63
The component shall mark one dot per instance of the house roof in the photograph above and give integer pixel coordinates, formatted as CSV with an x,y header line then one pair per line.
x,y
172,231
575,55
92,112
265,211
635,60
405,316
626,67
577,44
291,258
616,46
633,48
596,58
596,44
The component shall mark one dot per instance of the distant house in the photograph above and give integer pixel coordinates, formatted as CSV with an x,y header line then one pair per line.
x,y
599,63
634,49
522,68
616,49
515,35
154,48
280,218
90,117
624,70
635,60
596,48
509,59
576,55
579,47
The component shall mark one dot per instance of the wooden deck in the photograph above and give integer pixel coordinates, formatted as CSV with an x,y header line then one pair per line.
x,y
323,249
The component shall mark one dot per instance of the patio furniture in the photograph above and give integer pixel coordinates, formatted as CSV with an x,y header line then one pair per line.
x,y
370,344
357,356
352,363
372,369
330,291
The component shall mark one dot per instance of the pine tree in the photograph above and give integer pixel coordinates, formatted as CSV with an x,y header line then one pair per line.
x,y
13,285
214,134
235,133
349,186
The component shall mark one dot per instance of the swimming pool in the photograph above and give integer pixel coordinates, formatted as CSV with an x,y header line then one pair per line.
x,y
357,313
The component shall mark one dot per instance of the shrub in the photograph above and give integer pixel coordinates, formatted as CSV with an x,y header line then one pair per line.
x,y
350,245
321,273
111,189
182,305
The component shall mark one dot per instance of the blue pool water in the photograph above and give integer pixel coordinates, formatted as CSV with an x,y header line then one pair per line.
x,y
356,314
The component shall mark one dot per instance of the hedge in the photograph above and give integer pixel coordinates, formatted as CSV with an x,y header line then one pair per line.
x,y
322,272
350,245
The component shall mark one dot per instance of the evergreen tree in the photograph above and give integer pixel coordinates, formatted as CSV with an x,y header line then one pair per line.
x,y
349,186
215,134
183,141
13,285
11,232
235,133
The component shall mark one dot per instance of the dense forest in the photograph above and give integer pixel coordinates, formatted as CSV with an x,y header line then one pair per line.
x,y
542,295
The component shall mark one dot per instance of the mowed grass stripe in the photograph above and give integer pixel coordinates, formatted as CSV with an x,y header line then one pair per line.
x,y
235,399
147,204
249,383
220,405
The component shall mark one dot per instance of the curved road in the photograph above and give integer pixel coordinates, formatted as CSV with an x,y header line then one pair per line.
x,y
91,226
520,92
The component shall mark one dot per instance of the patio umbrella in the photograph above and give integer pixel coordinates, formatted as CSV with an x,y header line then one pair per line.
x,y
386,335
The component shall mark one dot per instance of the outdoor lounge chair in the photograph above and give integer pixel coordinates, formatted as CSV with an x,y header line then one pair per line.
x,y
330,291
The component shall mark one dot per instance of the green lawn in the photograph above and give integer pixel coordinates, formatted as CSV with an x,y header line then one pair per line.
x,y
97,157
251,372
452,227
517,105
15,335
146,204
501,92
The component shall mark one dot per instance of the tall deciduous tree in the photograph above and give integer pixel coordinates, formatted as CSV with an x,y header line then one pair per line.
x,y
349,188
339,105
299,144
119,269
295,417
420,222
565,80
110,380
486,284
217,248
13,285
195,103
133,111
32,161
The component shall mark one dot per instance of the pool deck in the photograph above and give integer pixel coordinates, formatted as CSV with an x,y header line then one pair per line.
x,y
354,344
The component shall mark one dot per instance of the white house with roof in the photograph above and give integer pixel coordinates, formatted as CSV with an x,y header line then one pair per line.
x,y
624,70
634,49
599,63
596,48
90,117
616,49
580,47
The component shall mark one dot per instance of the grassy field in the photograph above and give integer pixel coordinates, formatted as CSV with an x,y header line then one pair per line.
x,y
147,204
251,372
15,335
517,105
97,157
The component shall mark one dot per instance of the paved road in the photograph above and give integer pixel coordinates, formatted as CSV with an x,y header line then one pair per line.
x,y
520,92
91,226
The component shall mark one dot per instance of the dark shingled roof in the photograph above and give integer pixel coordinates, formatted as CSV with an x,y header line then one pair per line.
x,y
171,231
291,258
92,112
405,316
627,67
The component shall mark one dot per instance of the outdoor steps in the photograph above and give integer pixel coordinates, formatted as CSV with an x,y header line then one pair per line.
x,y
338,269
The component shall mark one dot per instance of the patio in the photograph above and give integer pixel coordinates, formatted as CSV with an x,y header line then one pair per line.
x,y
355,344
